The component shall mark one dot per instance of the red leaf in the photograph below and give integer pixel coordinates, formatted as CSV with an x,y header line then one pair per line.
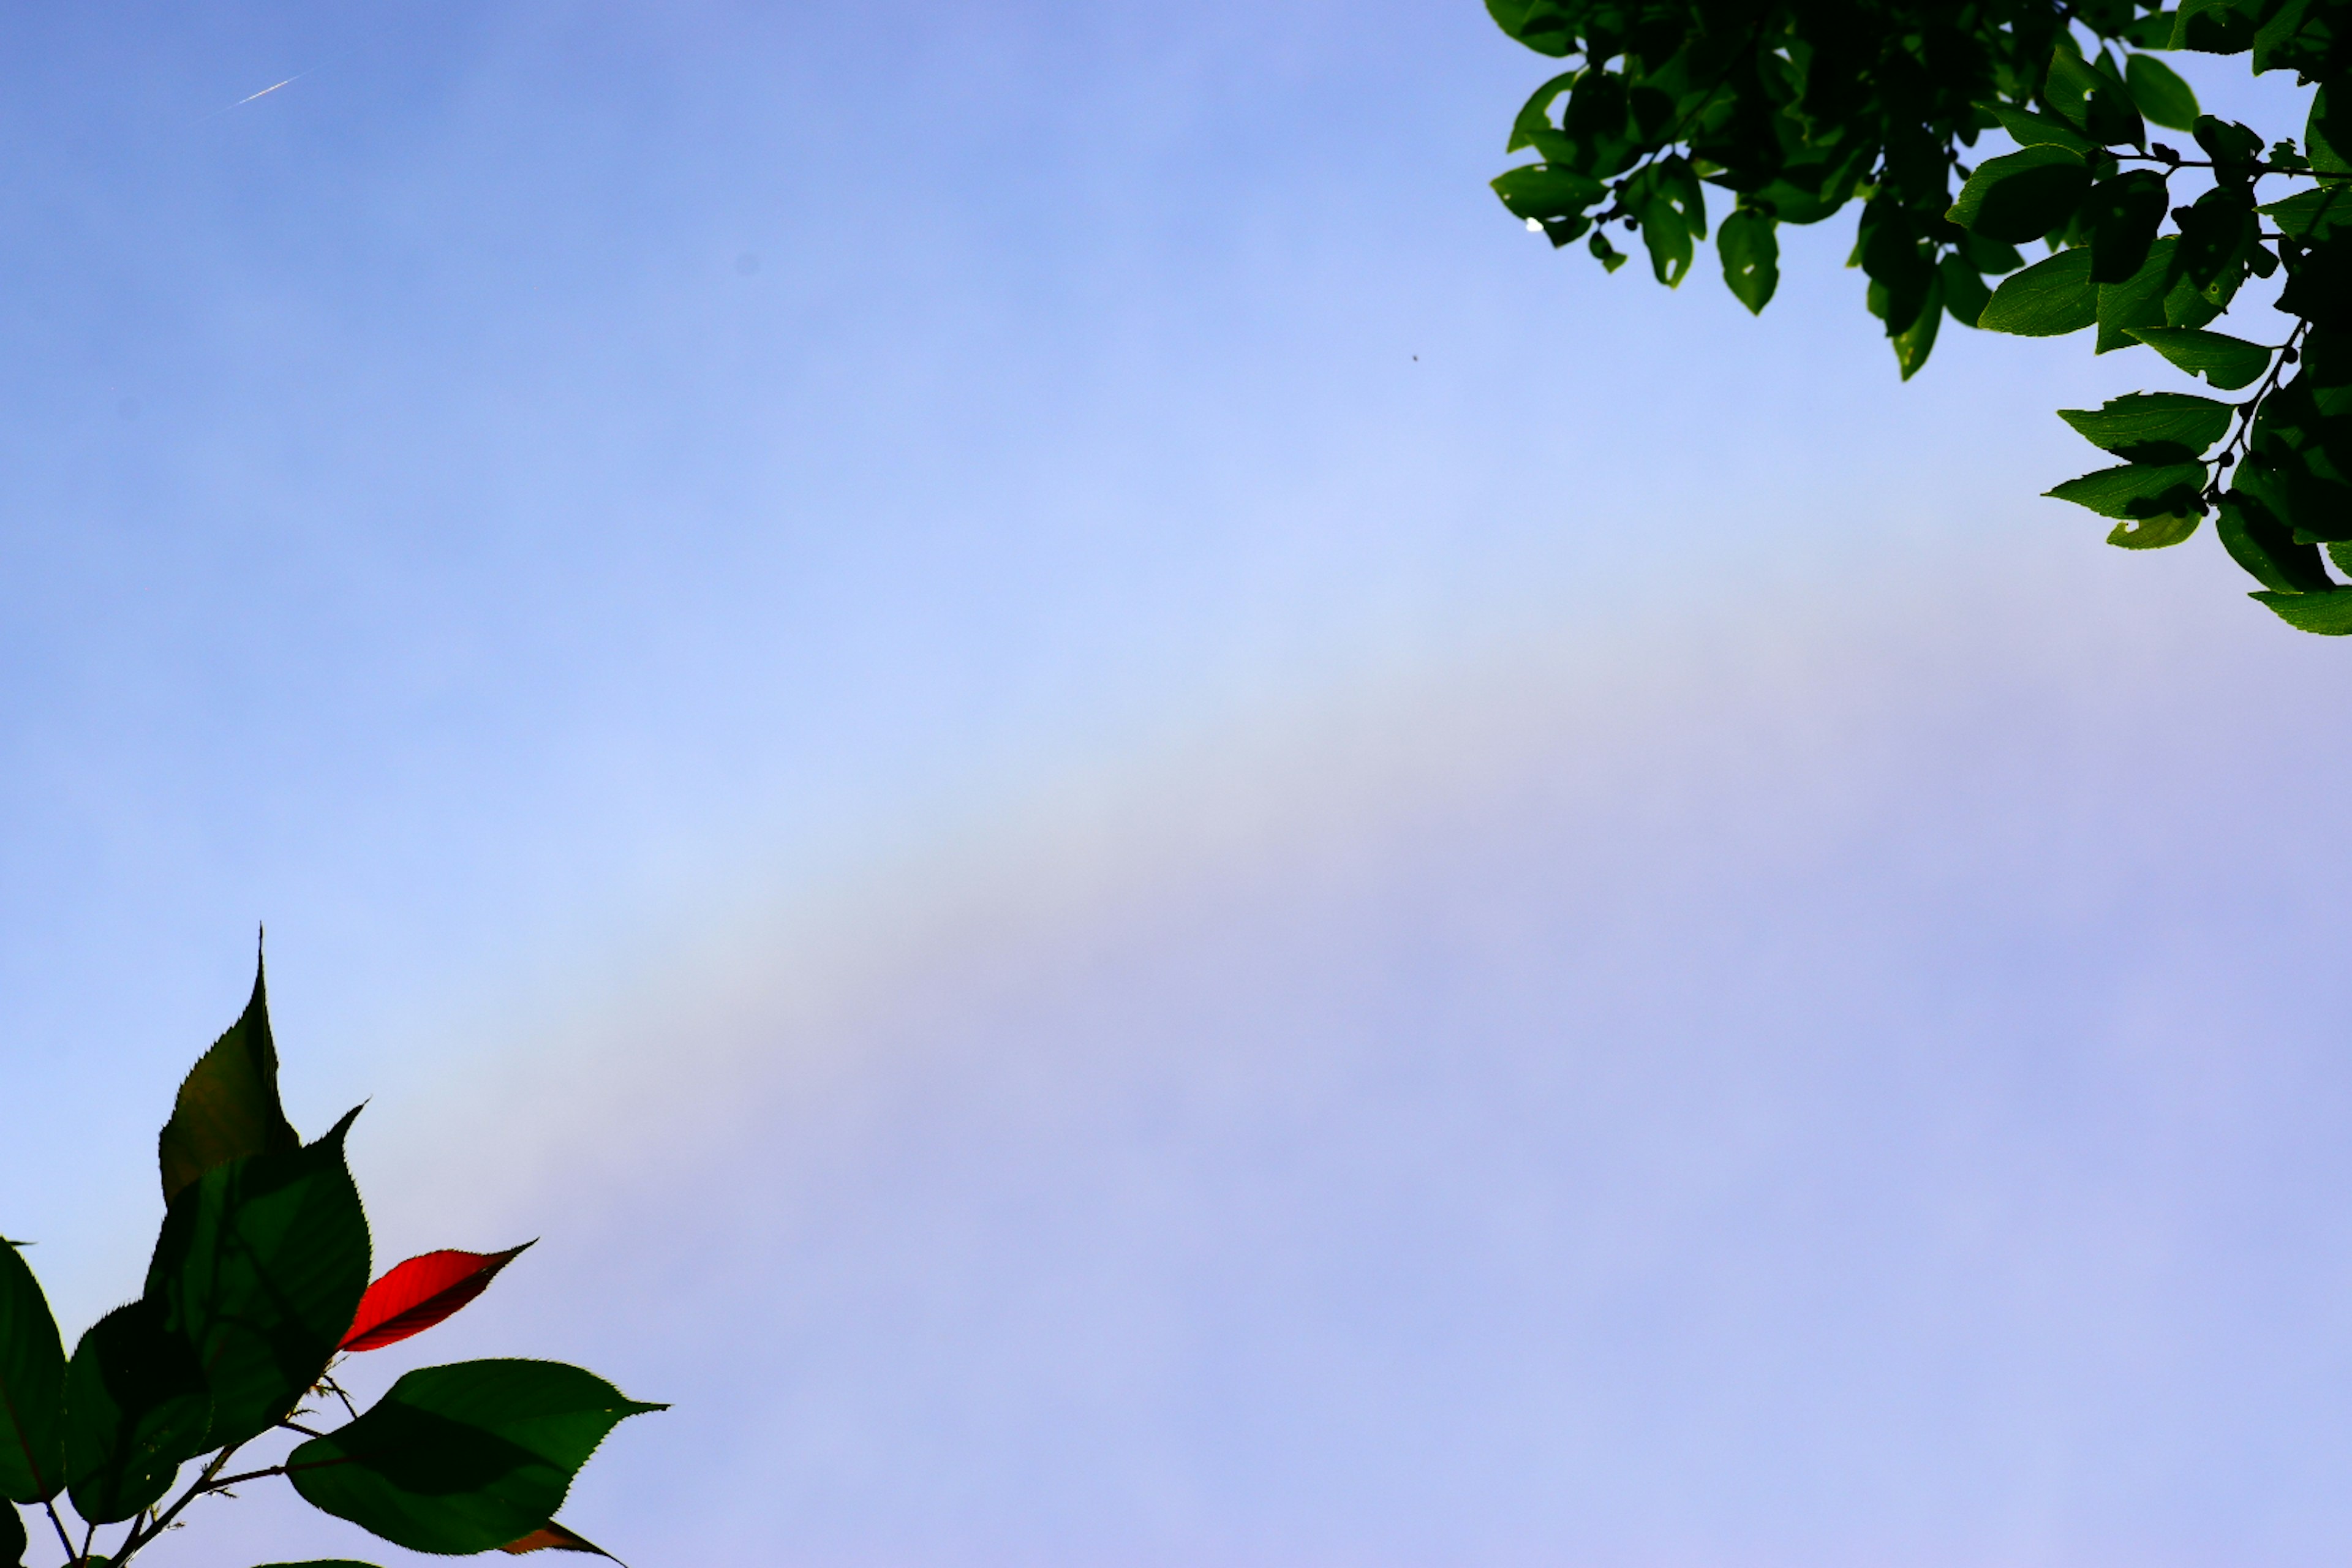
x,y
419,1293
555,1537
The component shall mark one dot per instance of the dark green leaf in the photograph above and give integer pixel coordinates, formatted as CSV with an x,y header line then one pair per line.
x,y
2327,615
2022,195
1964,292
32,1385
2124,213
12,1537
1547,191
2048,299
135,1407
1991,255
2153,427
2319,278
228,1106
1607,255
463,1458
1750,248
2264,545
2161,93
2216,26
2139,491
259,1268
2141,301
2228,362
2028,129
2321,135
2229,142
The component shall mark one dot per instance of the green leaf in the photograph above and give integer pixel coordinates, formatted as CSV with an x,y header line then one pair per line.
x,y
1547,191
2257,540
2048,299
1913,342
2341,553
2140,303
2320,137
1750,244
2022,195
2228,362
463,1458
12,1536
259,1266
1965,293
2030,129
2124,214
32,1385
228,1106
2313,213
1533,128
2161,93
1541,24
2325,614
1607,255
135,1407
2153,533
2153,427
2139,491
1667,239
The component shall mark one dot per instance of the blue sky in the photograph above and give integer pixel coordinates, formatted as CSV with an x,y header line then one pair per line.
x,y
1145,843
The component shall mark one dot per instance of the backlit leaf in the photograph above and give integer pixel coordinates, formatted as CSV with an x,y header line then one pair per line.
x,y
1913,342
555,1538
2028,129
2257,540
414,1296
135,1407
2048,299
228,1106
2139,491
2161,93
1547,191
2153,427
2309,213
1749,245
259,1268
2228,362
32,1385
2328,615
2022,195
2124,214
465,1458
1965,293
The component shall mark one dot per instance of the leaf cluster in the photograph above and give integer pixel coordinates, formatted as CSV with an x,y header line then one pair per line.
x,y
258,1287
1799,107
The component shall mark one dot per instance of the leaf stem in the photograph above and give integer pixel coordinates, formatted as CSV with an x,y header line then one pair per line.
x,y
163,1521
50,1506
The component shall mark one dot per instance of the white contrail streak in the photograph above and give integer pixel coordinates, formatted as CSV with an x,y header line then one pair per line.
x,y
248,98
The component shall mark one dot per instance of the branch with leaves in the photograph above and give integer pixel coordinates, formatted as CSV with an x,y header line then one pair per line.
x,y
1798,108
256,1291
